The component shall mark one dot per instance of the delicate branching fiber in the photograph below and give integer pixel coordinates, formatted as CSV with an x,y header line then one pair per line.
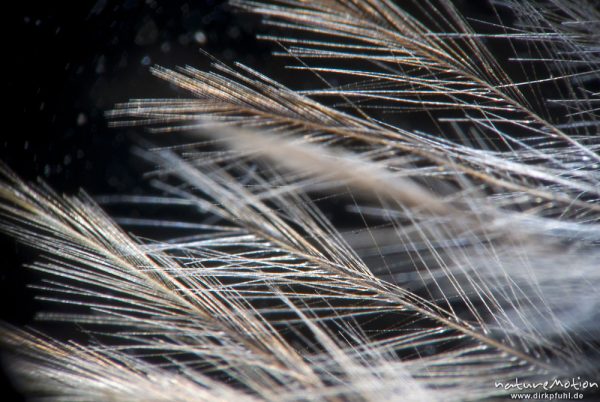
x,y
472,255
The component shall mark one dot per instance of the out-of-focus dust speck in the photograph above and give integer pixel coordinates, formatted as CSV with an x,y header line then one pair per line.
x,y
229,54
233,32
81,119
113,181
123,61
147,34
98,7
165,47
67,160
146,60
200,37
130,4
101,65
26,145
42,106
80,154
46,170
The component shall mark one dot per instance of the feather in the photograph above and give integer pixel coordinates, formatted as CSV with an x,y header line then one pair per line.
x,y
451,277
